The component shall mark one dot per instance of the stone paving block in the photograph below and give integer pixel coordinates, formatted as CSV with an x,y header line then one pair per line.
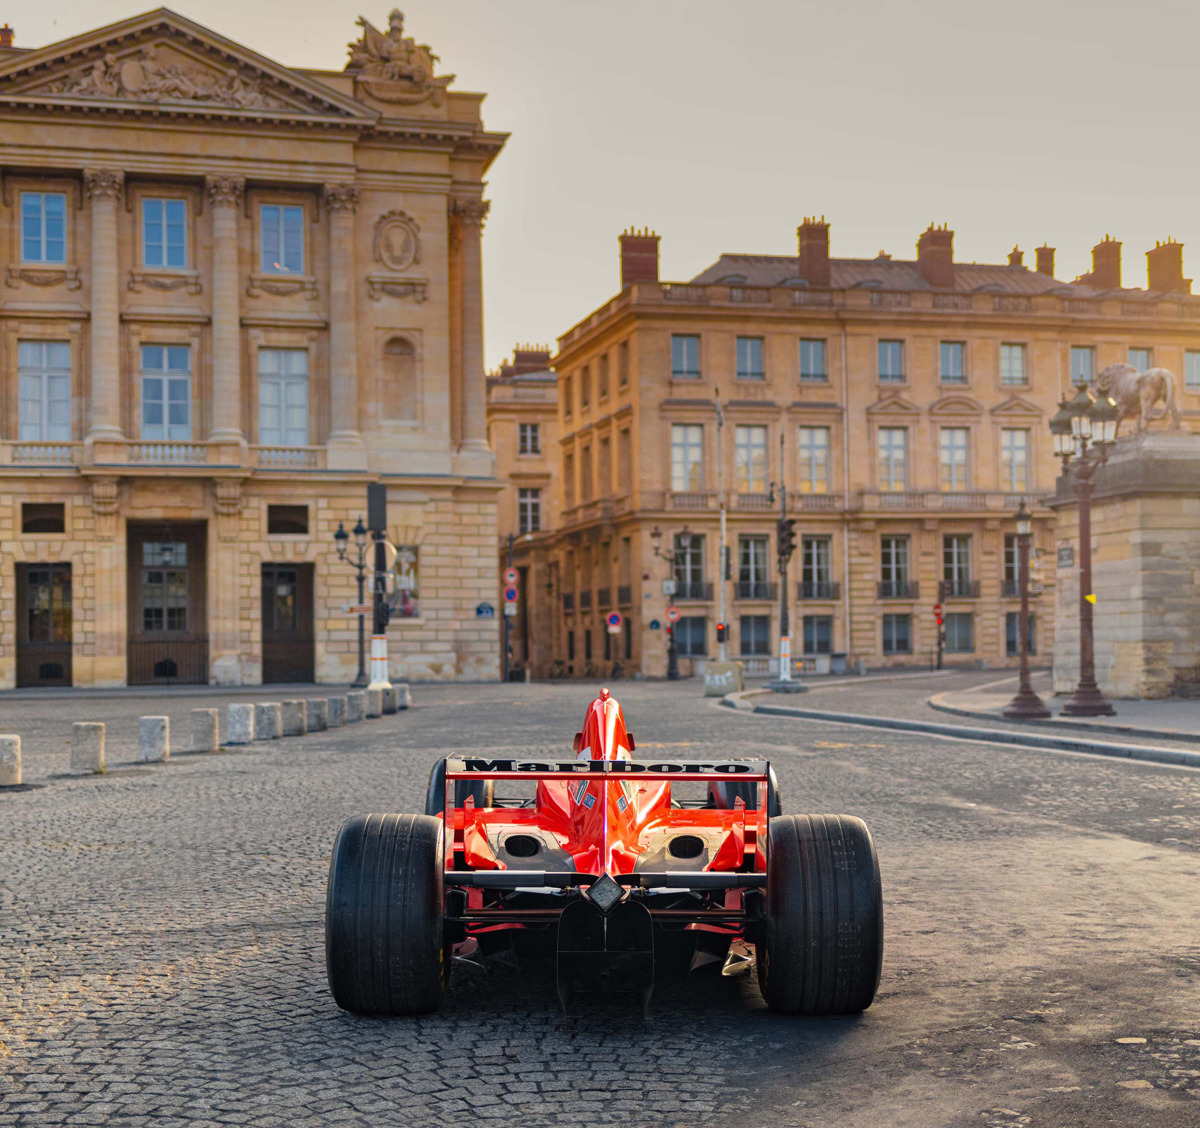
x,y
373,702
316,714
268,721
154,739
389,699
239,724
293,717
337,711
206,730
356,704
87,747
10,761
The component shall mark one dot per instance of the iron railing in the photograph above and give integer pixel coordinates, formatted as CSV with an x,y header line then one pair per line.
x,y
167,661
899,589
818,589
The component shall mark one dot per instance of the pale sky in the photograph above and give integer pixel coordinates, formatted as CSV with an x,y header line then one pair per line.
x,y
721,125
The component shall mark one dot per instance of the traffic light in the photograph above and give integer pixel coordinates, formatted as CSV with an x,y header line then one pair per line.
x,y
786,536
722,632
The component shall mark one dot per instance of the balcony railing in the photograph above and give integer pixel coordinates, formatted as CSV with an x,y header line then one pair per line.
x,y
947,500
899,589
815,501
693,591
604,597
818,589
757,589
289,457
753,501
169,453
958,589
568,601
692,499
1011,590
585,601
39,454
624,595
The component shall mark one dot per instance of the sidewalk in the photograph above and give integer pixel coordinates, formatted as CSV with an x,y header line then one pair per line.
x,y
1169,719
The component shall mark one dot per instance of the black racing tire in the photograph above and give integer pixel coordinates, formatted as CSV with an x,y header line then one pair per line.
x,y
822,949
385,951
722,795
483,791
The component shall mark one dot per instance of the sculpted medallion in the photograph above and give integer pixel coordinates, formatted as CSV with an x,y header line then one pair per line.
x,y
397,244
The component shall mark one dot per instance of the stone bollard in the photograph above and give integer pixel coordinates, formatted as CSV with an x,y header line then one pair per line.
x,y
316,714
391,700
294,717
355,707
373,703
87,747
403,696
239,724
267,720
154,739
337,711
206,736
10,761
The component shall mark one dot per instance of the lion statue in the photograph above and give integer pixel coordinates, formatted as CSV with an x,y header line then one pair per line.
x,y
1135,393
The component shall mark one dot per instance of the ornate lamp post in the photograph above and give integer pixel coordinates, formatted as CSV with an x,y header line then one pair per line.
x,y
685,542
342,539
1027,705
1084,430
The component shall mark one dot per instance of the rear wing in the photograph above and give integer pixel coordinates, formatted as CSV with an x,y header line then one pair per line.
x,y
479,767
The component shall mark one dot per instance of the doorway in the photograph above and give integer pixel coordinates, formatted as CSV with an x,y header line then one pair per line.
x,y
287,622
44,631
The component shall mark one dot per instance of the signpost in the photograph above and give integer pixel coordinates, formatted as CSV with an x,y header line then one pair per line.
x,y
357,609
377,523
941,633
511,595
614,621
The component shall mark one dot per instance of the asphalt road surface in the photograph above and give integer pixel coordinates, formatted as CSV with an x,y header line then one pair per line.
x,y
161,957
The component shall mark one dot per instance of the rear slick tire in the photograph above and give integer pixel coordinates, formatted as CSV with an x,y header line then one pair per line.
x,y
822,949
384,946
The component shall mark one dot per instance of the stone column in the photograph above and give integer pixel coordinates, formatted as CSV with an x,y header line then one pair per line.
x,y
225,198
468,214
340,202
104,188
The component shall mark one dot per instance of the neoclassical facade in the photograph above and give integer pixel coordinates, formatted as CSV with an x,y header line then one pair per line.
x,y
234,293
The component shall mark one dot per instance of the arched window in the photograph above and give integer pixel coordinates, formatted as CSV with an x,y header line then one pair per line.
x,y
399,379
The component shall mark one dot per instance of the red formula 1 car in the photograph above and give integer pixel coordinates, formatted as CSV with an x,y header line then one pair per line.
x,y
615,866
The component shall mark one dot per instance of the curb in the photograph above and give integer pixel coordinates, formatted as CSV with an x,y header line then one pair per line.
x,y
1143,752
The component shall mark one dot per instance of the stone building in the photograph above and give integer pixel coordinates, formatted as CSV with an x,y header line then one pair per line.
x,y
235,293
903,403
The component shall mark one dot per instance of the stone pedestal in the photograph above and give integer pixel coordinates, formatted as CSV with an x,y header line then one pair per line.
x,y
240,724
87,747
337,711
373,702
1145,570
390,698
154,739
721,678
403,695
206,735
294,718
316,714
10,761
268,721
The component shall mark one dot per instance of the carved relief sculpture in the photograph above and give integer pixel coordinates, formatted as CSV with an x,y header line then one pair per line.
x,y
225,191
394,68
103,183
1135,394
397,247
469,210
341,197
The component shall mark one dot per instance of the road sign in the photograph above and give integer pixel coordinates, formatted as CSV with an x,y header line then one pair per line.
x,y
511,577
510,595
510,609
672,614
668,587
485,611
614,619
937,608
357,609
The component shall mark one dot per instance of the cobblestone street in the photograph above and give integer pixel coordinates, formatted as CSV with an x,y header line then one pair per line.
x,y
161,938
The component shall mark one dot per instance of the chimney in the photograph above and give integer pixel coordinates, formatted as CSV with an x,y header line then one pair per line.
x,y
639,256
1016,257
6,36
935,257
530,358
813,234
1045,260
1164,269
1106,265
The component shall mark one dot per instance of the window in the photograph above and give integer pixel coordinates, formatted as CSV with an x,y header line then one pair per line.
x,y
893,458
166,393
287,520
689,567
604,467
283,397
570,646
954,458
691,636
754,635
1082,364
1191,369
750,458
587,645
164,228
623,365
687,454
1012,576
954,362
43,227
164,587
750,358
818,634
282,239
891,362
814,460
1141,359
585,473
568,399
602,376
960,632
43,517
815,571
1012,633
956,563
752,567
1014,458
529,439
897,634
585,387
569,480
1012,364
685,357
893,566
812,360
399,379
529,510
44,383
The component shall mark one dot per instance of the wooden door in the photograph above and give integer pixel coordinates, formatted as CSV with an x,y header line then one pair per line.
x,y
287,622
44,631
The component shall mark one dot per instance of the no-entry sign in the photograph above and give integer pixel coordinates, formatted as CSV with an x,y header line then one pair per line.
x,y
511,577
672,614
937,608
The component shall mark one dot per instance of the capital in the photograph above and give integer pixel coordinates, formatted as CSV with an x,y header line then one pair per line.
x,y
225,191
341,197
103,183
469,210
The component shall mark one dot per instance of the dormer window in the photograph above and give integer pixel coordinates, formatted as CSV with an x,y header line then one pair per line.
x,y
281,235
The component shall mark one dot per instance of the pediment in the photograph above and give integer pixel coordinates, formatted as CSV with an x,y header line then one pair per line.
x,y
956,405
1018,406
162,62
893,405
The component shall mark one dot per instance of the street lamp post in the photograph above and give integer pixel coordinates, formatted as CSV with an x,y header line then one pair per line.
x,y
1084,429
685,542
342,539
1026,706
